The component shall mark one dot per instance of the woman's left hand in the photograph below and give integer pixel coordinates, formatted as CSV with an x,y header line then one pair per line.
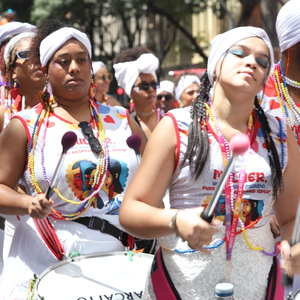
x,y
290,258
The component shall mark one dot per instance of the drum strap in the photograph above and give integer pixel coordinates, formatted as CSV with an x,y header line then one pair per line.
x,y
161,281
105,227
49,236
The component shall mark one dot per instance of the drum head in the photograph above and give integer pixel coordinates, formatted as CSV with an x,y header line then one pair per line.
x,y
109,275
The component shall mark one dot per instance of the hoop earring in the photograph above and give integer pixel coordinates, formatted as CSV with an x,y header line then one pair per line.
x,y
14,92
44,96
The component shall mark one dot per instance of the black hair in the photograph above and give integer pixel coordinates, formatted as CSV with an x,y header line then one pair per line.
x,y
198,144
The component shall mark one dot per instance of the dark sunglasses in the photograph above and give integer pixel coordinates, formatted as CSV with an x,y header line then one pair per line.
x,y
89,135
108,77
144,86
167,97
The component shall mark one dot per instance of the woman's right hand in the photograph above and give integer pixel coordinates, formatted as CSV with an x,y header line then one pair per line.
x,y
193,229
39,206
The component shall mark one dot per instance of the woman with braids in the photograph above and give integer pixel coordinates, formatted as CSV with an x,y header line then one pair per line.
x,y
56,226
192,145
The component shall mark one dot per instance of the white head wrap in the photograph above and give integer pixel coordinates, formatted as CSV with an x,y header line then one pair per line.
x,y
97,65
288,25
127,72
11,44
166,86
13,28
52,42
222,42
184,82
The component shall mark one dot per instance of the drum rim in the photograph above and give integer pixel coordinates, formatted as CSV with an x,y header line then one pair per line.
x,y
81,257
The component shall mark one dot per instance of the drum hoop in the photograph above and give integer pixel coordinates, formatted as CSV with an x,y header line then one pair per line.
x,y
81,257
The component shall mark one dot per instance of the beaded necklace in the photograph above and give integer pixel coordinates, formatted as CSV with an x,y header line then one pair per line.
x,y
231,229
101,169
290,111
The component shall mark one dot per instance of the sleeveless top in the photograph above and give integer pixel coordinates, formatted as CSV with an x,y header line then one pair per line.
x,y
80,163
194,273
270,103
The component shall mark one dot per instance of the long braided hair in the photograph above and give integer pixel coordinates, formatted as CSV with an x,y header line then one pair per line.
x,y
198,144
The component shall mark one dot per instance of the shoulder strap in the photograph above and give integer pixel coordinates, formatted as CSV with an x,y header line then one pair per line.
x,y
49,236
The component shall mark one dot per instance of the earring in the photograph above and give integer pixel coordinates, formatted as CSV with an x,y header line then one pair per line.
x,y
14,92
44,96
131,106
92,92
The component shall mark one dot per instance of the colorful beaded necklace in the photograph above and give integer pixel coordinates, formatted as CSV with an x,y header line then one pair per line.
x,y
231,229
290,111
101,169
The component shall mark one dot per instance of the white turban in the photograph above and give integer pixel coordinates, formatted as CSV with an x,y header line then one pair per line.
x,y
11,44
288,25
52,42
97,65
166,86
13,28
222,42
183,83
127,72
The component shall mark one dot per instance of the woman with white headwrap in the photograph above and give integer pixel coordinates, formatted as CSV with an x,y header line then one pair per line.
x,y
102,80
282,93
135,73
186,88
187,153
96,169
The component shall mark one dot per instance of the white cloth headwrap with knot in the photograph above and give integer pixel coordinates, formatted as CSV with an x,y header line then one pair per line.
x,y
11,44
222,42
165,86
126,73
183,83
13,28
97,65
288,25
56,39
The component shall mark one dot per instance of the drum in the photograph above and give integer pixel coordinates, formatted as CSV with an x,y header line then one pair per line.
x,y
101,276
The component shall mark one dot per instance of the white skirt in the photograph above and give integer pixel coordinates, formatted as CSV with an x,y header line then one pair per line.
x,y
196,274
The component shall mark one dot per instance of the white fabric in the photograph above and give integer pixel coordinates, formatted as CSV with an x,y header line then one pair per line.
x,y
11,44
165,86
126,73
183,83
97,65
222,42
288,25
13,28
52,42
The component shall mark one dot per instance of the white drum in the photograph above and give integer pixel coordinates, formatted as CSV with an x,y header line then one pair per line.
x,y
101,276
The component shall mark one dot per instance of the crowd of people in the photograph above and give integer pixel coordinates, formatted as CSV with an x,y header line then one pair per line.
x,y
71,183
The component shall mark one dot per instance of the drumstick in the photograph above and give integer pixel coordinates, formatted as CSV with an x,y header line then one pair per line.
x,y
286,280
68,140
134,142
239,144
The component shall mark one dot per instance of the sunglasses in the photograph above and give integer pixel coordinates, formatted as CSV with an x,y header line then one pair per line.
x,y
144,86
24,54
167,97
89,135
108,77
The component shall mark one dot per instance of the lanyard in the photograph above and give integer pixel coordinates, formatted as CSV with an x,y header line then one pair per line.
x,y
231,222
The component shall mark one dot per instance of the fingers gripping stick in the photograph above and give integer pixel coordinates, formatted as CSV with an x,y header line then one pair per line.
x,y
239,144
68,141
